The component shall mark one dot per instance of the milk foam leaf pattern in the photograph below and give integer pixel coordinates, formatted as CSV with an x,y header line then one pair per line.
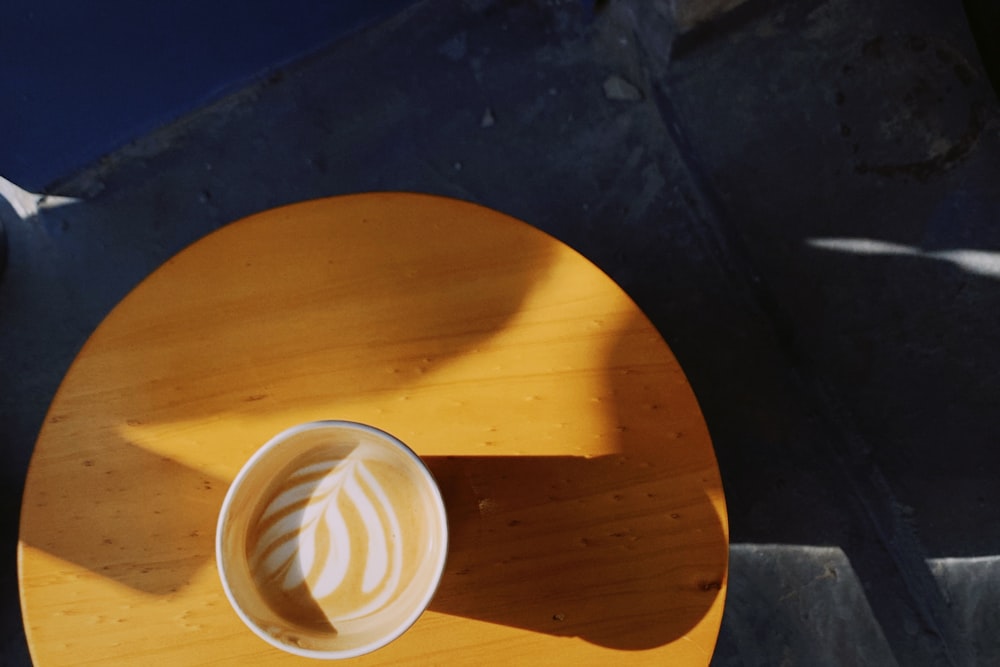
x,y
305,487
338,556
288,545
304,538
383,569
392,530
377,562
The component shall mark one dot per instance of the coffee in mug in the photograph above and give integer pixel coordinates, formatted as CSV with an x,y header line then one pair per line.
x,y
331,540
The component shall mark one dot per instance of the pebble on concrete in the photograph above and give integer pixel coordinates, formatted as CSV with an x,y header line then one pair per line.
x,y
488,119
617,88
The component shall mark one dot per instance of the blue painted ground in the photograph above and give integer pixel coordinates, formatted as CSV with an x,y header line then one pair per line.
x,y
81,79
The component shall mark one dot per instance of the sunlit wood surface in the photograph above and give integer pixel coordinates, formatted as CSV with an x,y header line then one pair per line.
x,y
588,524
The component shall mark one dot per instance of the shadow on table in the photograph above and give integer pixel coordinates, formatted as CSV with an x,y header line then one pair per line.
x,y
623,549
607,549
626,549
149,521
134,516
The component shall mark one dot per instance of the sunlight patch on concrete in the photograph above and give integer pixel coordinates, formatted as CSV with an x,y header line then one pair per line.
x,y
817,605
28,204
978,262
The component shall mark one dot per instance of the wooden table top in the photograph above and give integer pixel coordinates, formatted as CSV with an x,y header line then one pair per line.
x,y
588,523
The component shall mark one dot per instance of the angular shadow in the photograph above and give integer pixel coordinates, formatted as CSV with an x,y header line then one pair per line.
x,y
388,279
127,507
141,519
626,550
609,549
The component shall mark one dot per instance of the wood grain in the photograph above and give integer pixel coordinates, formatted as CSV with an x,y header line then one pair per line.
x,y
585,506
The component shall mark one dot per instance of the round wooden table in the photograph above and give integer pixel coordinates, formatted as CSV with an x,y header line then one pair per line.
x,y
588,523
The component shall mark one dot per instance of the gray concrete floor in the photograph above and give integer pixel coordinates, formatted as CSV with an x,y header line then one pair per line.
x,y
803,196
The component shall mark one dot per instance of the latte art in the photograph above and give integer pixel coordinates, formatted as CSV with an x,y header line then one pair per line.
x,y
329,540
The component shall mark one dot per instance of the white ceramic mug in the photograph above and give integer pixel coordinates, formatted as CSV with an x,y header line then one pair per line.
x,y
331,540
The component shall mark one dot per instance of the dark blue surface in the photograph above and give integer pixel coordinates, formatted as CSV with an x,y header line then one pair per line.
x,y
81,79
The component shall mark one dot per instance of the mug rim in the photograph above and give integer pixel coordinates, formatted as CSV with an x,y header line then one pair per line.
x,y
437,573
